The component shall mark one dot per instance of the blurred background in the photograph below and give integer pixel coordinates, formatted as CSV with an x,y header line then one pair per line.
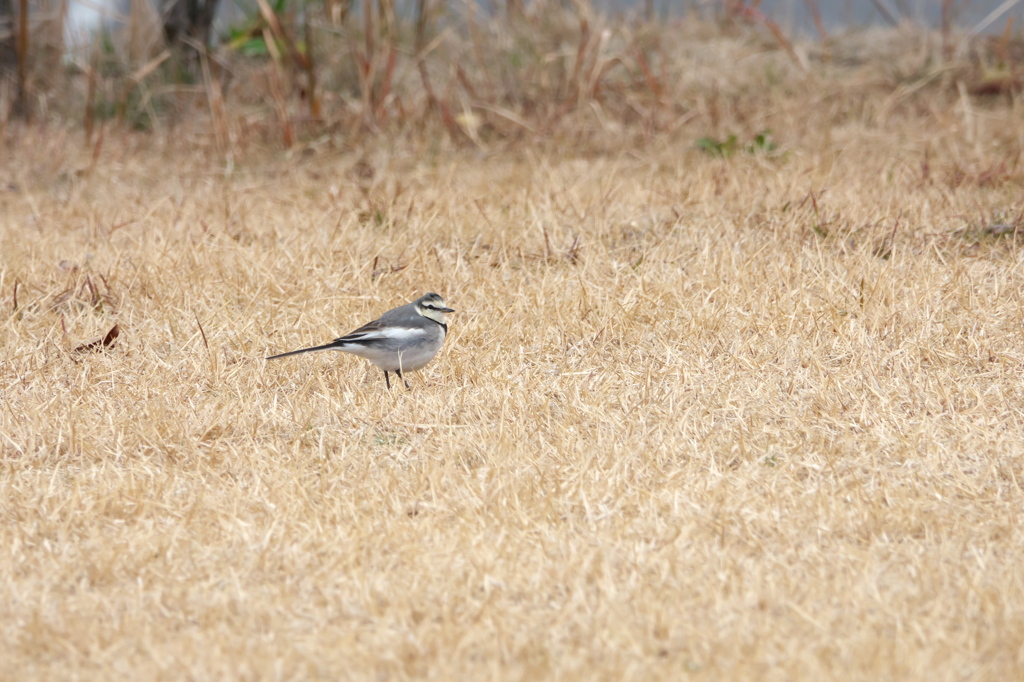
x,y
474,70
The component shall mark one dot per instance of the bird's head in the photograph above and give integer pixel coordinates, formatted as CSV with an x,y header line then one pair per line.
x,y
432,306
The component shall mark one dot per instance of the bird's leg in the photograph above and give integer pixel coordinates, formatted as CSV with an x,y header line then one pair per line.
x,y
387,381
399,373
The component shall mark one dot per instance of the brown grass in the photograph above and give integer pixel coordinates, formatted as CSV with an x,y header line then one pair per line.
x,y
748,418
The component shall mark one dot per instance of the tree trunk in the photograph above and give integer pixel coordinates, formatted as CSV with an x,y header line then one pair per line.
x,y
8,56
187,24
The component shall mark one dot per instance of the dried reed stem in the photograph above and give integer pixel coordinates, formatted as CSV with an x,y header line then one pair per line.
x,y
21,107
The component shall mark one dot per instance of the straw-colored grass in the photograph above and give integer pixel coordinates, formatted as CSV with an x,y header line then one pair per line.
x,y
723,419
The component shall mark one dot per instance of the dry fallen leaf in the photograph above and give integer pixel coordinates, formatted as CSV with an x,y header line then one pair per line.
x,y
100,343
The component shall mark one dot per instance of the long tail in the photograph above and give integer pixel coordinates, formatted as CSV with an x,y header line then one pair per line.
x,y
327,346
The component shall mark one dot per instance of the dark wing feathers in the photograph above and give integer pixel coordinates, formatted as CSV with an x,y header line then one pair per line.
x,y
357,334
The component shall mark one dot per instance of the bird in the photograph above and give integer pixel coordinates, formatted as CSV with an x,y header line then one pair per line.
x,y
404,339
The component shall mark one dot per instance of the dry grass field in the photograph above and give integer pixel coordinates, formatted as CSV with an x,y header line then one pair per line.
x,y
746,418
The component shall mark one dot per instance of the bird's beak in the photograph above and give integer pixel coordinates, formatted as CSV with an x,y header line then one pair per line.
x,y
447,310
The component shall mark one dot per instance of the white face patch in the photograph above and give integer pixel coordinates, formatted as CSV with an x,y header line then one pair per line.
x,y
431,313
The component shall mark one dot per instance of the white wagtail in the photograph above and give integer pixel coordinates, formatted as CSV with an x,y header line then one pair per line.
x,y
403,339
